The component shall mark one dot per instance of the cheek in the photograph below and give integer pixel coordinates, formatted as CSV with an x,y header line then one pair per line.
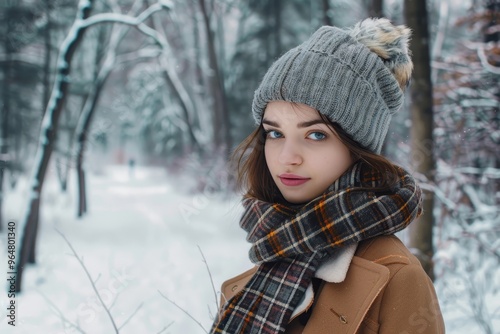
x,y
340,161
267,155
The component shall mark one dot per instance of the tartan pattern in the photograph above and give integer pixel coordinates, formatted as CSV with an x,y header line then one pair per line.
x,y
288,243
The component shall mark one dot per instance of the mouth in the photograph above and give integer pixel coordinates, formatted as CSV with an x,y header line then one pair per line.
x,y
292,179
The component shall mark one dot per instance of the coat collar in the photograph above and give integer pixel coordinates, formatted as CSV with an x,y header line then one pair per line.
x,y
333,270
364,279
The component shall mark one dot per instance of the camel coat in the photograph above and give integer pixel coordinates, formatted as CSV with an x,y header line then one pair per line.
x,y
385,291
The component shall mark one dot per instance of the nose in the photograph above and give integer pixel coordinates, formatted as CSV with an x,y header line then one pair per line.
x,y
290,154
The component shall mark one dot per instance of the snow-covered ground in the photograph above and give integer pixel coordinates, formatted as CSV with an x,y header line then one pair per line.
x,y
140,238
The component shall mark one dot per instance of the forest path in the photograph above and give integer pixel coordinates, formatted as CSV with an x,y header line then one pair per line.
x,y
140,236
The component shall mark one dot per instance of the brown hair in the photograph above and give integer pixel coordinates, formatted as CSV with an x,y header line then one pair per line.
x,y
253,175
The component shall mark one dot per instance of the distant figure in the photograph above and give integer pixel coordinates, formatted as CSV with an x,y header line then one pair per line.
x,y
131,164
119,157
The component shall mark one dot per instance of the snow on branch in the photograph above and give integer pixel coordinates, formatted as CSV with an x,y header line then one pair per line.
x,y
28,59
479,47
138,22
82,24
439,194
489,172
481,209
121,18
142,53
460,68
486,64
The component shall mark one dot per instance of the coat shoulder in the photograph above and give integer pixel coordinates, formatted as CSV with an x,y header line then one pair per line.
x,y
386,250
408,293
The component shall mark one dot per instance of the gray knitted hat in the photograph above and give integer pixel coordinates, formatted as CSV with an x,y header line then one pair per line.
x,y
354,76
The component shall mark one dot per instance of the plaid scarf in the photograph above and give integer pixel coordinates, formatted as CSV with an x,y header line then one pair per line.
x,y
289,243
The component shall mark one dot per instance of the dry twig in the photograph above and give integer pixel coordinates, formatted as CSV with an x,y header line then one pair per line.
x,y
91,281
211,278
61,315
131,316
165,328
183,310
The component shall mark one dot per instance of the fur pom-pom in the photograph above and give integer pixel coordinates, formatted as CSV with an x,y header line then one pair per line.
x,y
389,42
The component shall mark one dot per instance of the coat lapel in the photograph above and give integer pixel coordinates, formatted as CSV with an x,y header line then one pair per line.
x,y
340,307
236,284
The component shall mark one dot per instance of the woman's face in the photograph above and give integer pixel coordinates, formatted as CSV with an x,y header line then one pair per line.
x,y
303,154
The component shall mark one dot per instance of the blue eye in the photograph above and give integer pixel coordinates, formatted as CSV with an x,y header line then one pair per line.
x,y
273,134
317,136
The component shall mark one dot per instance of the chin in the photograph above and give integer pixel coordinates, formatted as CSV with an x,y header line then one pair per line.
x,y
295,200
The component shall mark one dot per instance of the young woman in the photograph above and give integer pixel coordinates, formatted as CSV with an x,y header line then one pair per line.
x,y
321,203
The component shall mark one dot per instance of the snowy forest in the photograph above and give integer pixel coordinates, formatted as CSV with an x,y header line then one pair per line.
x,y
118,208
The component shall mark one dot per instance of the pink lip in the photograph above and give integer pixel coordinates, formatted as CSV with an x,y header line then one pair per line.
x,y
292,179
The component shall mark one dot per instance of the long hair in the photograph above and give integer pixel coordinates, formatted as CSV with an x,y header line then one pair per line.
x,y
253,176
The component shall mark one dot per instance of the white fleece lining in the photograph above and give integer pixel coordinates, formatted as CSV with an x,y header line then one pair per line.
x,y
304,303
333,270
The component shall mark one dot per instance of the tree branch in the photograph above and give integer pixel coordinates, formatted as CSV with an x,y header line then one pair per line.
x,y
165,328
61,315
122,18
479,47
90,279
184,311
131,316
211,278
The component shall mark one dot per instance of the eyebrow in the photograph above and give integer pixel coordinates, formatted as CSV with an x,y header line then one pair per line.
x,y
300,125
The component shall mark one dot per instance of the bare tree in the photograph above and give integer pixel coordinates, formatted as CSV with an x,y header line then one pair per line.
x,y
49,130
421,238
442,25
220,114
327,17
90,105
466,116
5,138
167,63
48,53
54,108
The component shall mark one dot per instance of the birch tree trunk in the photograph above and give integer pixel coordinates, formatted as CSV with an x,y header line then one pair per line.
x,y
47,139
82,136
166,62
422,152
55,106
47,56
5,137
83,128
